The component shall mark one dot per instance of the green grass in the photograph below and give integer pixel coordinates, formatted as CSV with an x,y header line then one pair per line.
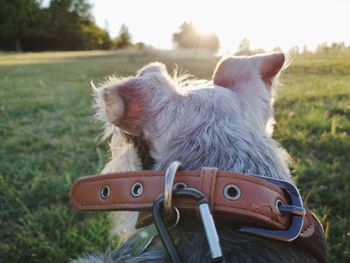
x,y
47,140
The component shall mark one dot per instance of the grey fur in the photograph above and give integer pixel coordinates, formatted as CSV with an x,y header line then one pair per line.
x,y
205,124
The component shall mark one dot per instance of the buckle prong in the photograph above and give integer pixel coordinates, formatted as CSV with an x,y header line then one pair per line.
x,y
293,210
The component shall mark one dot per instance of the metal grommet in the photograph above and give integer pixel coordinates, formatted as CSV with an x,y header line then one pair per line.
x,y
278,203
232,192
105,191
179,185
168,187
136,189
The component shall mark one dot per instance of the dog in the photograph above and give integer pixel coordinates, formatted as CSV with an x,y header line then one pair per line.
x,y
155,119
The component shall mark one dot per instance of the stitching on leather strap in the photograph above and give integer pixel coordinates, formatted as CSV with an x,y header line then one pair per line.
x,y
207,183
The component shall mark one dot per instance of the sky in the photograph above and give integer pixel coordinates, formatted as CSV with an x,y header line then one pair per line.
x,y
266,23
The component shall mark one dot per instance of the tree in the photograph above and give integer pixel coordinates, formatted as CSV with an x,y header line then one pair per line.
x,y
72,27
19,19
189,37
244,49
64,25
95,37
123,40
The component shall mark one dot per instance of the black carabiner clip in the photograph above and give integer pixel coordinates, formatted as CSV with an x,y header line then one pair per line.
x,y
206,217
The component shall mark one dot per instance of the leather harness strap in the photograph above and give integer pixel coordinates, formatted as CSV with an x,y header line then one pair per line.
x,y
255,206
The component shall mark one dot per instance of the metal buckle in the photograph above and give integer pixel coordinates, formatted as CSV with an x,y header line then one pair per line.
x,y
296,210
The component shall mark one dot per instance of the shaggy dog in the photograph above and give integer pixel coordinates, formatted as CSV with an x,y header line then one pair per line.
x,y
226,123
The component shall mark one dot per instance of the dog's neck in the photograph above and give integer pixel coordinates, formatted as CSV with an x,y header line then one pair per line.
x,y
250,154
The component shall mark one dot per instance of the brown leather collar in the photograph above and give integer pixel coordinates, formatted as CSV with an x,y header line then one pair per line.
x,y
256,205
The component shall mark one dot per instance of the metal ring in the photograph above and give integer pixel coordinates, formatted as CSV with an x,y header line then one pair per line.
x,y
168,187
232,195
177,219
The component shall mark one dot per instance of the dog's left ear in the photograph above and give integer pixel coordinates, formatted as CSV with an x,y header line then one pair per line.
x,y
232,70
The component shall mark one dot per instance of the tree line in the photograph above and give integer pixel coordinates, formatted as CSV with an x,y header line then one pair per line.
x,y
27,25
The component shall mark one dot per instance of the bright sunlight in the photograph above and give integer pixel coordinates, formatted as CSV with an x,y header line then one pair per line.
x,y
267,24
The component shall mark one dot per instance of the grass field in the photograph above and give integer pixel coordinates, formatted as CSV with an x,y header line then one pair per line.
x,y
47,140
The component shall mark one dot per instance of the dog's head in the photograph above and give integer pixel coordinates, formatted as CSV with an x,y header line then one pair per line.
x,y
173,119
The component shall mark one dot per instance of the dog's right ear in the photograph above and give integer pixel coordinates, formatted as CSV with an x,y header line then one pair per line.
x,y
233,70
126,102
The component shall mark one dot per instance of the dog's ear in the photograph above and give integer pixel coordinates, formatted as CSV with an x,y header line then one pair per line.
x,y
224,74
232,70
124,105
269,66
125,102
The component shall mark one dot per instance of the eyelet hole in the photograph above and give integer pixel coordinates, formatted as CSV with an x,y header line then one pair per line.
x,y
105,191
179,186
232,192
136,189
278,203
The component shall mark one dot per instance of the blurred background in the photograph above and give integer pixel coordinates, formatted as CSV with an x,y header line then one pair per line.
x,y
51,50
220,26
